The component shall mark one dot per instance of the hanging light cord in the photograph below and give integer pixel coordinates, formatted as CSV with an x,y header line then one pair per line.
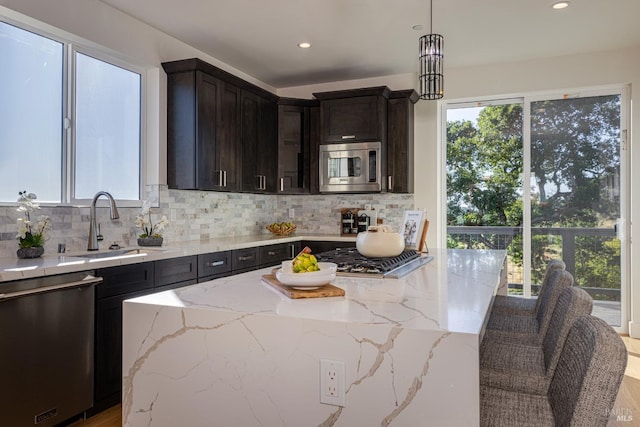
x,y
431,17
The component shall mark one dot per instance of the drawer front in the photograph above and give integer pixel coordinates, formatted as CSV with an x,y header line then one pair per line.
x,y
242,259
214,264
323,246
175,285
174,270
125,279
272,254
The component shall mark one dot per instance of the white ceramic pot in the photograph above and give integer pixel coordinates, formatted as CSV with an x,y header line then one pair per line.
x,y
379,242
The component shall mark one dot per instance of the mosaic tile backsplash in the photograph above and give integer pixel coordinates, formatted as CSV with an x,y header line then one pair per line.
x,y
204,215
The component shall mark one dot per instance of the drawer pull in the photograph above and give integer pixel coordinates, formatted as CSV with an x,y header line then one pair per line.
x,y
348,137
245,258
220,178
271,253
215,263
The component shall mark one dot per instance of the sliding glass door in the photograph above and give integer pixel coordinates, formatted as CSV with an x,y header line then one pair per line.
x,y
575,194
571,151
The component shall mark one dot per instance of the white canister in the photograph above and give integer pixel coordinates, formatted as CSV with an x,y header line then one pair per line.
x,y
379,242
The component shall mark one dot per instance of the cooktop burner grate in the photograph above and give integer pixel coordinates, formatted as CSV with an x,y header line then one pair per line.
x,y
350,261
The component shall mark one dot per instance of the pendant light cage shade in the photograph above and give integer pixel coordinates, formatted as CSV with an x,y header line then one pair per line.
x,y
431,66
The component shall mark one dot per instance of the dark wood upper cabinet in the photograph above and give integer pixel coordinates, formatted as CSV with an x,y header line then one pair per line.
x,y
400,141
298,136
354,115
203,132
227,172
226,134
259,143
211,114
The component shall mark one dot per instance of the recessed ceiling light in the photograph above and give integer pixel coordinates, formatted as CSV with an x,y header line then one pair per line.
x,y
304,45
560,5
418,27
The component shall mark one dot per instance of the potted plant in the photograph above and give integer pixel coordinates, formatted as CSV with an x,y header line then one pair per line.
x,y
31,234
151,235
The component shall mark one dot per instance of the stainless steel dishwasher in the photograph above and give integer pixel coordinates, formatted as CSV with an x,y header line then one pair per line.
x,y
46,349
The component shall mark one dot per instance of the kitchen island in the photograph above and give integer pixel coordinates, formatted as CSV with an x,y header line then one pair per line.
x,y
235,352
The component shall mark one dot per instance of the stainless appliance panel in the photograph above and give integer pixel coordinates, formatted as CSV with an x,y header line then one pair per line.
x,y
351,263
349,168
46,337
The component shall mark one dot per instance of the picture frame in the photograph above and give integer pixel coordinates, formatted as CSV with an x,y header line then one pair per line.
x,y
411,228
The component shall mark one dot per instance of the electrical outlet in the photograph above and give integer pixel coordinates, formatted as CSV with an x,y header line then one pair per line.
x,y
332,382
292,213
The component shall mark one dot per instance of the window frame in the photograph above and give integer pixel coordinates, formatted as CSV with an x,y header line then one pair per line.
x,y
69,120
71,45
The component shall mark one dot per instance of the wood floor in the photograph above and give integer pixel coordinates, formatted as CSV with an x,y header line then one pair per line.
x,y
626,411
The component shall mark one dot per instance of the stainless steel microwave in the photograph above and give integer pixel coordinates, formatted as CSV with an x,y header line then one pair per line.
x,y
350,168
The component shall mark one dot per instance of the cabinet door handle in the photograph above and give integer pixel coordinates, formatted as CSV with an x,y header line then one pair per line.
x,y
263,182
224,176
281,184
389,183
348,137
215,263
292,249
219,178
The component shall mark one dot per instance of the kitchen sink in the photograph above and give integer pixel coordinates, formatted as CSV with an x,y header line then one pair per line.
x,y
117,253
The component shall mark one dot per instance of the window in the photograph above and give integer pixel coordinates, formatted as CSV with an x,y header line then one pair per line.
x,y
107,129
67,132
30,114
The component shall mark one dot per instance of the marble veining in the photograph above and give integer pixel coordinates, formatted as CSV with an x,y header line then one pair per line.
x,y
234,351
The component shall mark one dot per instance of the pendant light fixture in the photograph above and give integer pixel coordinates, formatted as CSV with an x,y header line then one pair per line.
x,y
431,64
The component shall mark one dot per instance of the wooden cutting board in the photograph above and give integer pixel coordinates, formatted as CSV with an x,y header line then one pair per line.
x,y
323,291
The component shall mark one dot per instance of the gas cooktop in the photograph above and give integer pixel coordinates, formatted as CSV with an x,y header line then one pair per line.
x,y
351,263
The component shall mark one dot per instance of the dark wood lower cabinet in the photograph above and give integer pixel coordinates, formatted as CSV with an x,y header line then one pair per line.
x,y
175,270
108,351
214,265
119,283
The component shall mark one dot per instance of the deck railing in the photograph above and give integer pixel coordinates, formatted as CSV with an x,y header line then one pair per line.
x,y
502,237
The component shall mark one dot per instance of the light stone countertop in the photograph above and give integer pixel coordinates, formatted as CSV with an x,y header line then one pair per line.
x,y
451,293
50,264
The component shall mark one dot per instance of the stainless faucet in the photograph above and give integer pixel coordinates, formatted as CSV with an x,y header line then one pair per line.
x,y
93,237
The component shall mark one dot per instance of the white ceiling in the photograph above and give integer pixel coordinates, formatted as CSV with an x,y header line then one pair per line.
x,y
355,39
